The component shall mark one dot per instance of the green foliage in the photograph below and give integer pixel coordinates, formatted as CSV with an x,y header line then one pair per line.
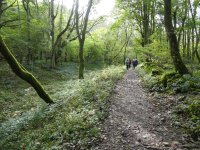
x,y
71,123
190,115
72,50
168,77
82,104
94,49
159,77
188,112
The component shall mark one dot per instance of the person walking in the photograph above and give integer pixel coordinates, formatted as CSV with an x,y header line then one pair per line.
x,y
127,63
134,63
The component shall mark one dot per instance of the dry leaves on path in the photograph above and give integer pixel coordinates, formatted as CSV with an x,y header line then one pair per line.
x,y
135,123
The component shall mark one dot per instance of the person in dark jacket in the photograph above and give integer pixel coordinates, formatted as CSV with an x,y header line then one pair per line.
x,y
134,63
129,63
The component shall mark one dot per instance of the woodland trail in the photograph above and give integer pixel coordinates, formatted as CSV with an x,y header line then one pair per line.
x,y
136,123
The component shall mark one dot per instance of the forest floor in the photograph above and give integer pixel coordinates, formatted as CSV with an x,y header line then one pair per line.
x,y
139,120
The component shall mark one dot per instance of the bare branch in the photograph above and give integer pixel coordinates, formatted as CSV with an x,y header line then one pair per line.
x,y
95,23
7,7
23,2
54,17
125,43
2,24
66,28
86,17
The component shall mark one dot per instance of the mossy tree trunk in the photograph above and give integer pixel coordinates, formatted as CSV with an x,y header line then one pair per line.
x,y
173,42
20,71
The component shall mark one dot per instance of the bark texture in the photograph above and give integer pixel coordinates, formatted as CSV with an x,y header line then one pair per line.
x,y
20,71
173,42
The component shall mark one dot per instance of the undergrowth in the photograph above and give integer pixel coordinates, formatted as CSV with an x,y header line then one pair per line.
x,y
71,123
189,114
163,78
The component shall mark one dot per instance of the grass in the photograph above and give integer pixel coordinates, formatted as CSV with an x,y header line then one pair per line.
x,y
72,123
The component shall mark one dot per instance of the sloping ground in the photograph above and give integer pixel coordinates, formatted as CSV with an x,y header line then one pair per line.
x,y
139,121
71,123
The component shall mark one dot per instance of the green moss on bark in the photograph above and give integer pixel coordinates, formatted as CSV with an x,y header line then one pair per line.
x,y
20,71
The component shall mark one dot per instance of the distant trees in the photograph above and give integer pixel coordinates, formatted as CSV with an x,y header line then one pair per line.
x,y
125,29
143,13
47,32
148,17
56,41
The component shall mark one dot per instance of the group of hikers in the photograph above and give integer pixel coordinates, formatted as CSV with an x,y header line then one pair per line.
x,y
128,63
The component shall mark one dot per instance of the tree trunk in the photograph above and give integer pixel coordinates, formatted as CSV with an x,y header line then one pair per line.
x,y
196,48
20,71
174,47
195,34
175,18
193,52
145,24
184,43
81,61
188,43
81,34
28,23
53,57
21,53
152,15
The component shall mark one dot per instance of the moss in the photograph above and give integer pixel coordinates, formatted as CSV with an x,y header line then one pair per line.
x,y
167,76
20,71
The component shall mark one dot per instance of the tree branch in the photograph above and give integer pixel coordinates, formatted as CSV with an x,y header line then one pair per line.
x,y
66,28
7,7
2,24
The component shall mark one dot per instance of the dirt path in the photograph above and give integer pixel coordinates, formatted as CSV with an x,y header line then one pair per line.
x,y
136,123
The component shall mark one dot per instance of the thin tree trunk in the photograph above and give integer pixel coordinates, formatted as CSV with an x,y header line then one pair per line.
x,y
196,45
145,24
20,71
193,52
81,34
174,47
81,61
194,31
184,43
28,22
188,44
19,30
53,59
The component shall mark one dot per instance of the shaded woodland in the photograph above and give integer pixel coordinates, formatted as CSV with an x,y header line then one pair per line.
x,y
70,58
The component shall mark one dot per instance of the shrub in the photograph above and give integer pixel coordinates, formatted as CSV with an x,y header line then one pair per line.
x,y
190,113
